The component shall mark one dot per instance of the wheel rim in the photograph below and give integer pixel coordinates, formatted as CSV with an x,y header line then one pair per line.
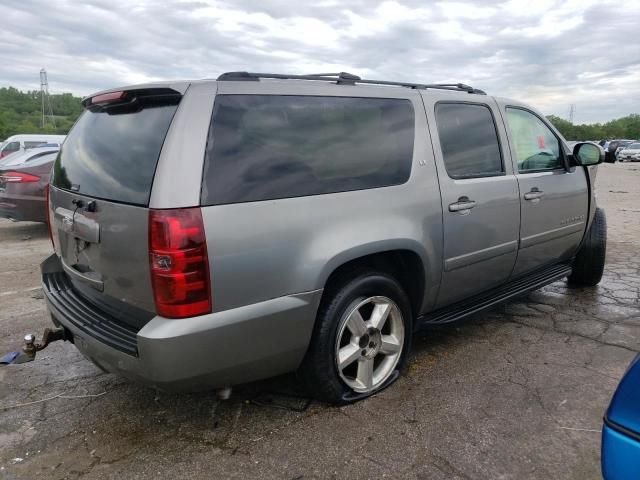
x,y
369,343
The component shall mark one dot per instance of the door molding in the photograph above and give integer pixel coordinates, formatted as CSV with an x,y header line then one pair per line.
x,y
549,235
460,261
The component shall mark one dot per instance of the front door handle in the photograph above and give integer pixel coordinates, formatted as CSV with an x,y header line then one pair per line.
x,y
463,205
534,194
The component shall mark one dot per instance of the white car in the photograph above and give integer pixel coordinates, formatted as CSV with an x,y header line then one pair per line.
x,y
630,153
20,143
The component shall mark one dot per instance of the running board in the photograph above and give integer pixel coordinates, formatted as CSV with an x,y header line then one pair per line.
x,y
488,299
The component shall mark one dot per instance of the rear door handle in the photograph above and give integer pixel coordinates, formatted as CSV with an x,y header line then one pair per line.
x,y
464,204
534,194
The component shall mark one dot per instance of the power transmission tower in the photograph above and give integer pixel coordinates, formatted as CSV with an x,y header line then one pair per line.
x,y
46,100
572,111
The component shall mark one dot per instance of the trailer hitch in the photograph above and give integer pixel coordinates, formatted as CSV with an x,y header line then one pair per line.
x,y
30,347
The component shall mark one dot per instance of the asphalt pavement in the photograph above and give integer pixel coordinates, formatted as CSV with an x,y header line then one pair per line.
x,y
515,392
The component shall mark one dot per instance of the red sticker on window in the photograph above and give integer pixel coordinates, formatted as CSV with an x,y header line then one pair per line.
x,y
540,141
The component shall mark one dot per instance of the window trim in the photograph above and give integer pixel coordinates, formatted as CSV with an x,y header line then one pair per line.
x,y
563,155
495,127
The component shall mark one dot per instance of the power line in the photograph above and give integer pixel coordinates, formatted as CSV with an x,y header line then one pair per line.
x,y
572,111
46,100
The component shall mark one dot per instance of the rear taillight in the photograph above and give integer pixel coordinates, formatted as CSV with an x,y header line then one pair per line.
x,y
179,263
46,214
18,177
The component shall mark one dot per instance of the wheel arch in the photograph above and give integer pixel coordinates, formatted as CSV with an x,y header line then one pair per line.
x,y
405,260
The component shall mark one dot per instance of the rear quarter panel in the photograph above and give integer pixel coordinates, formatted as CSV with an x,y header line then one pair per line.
x,y
271,248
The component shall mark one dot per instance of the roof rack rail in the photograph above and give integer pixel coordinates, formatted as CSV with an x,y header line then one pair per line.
x,y
344,78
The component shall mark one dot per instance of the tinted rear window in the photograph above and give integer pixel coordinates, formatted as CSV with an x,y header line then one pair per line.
x,y
264,147
112,154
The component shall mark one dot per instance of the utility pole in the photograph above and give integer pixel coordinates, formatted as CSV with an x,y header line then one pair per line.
x,y
572,111
47,111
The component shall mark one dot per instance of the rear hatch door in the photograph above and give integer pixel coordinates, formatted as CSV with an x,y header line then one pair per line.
x,y
99,196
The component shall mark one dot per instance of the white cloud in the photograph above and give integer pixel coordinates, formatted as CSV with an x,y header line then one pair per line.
x,y
548,52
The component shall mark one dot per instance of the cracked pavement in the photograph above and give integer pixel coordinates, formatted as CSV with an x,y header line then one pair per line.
x,y
515,392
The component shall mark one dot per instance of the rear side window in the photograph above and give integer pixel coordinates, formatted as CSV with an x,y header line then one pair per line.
x,y
264,147
468,140
33,144
111,153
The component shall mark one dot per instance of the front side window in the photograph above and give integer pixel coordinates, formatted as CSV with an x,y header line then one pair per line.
x,y
263,147
537,148
468,140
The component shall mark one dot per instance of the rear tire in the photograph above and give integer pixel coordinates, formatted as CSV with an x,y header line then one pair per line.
x,y
588,265
361,338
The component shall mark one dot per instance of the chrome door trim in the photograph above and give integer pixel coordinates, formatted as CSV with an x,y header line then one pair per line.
x,y
78,225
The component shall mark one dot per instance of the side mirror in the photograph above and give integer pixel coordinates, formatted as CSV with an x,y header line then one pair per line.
x,y
586,154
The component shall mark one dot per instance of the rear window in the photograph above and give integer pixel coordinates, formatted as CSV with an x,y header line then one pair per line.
x,y
263,147
111,153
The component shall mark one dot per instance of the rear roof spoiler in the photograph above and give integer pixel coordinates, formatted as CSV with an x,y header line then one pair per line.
x,y
179,87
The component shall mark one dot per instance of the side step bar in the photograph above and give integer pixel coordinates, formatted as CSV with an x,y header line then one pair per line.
x,y
488,299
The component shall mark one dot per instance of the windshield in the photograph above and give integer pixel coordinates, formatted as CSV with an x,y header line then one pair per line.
x,y
634,146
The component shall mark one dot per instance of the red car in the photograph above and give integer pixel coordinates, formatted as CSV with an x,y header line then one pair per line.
x,y
23,182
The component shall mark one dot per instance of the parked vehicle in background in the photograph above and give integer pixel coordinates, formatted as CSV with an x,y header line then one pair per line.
x,y
24,179
20,143
620,454
212,233
29,155
629,153
612,150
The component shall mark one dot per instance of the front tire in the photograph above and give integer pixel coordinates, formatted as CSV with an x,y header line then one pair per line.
x,y
588,265
361,339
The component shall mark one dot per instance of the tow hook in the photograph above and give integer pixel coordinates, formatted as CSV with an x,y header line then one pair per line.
x,y
30,347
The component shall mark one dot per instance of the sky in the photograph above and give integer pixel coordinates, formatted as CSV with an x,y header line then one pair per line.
x,y
550,54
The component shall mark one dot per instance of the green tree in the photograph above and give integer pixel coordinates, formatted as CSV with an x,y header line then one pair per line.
x,y
625,127
21,112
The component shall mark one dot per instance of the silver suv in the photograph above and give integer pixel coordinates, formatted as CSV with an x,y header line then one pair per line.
x,y
211,233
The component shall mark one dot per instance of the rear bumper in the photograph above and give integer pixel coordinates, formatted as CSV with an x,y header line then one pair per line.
x,y
199,353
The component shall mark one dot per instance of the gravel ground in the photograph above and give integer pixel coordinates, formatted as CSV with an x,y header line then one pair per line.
x,y
516,392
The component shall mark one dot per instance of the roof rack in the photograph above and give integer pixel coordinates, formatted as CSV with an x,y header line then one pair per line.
x,y
344,78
